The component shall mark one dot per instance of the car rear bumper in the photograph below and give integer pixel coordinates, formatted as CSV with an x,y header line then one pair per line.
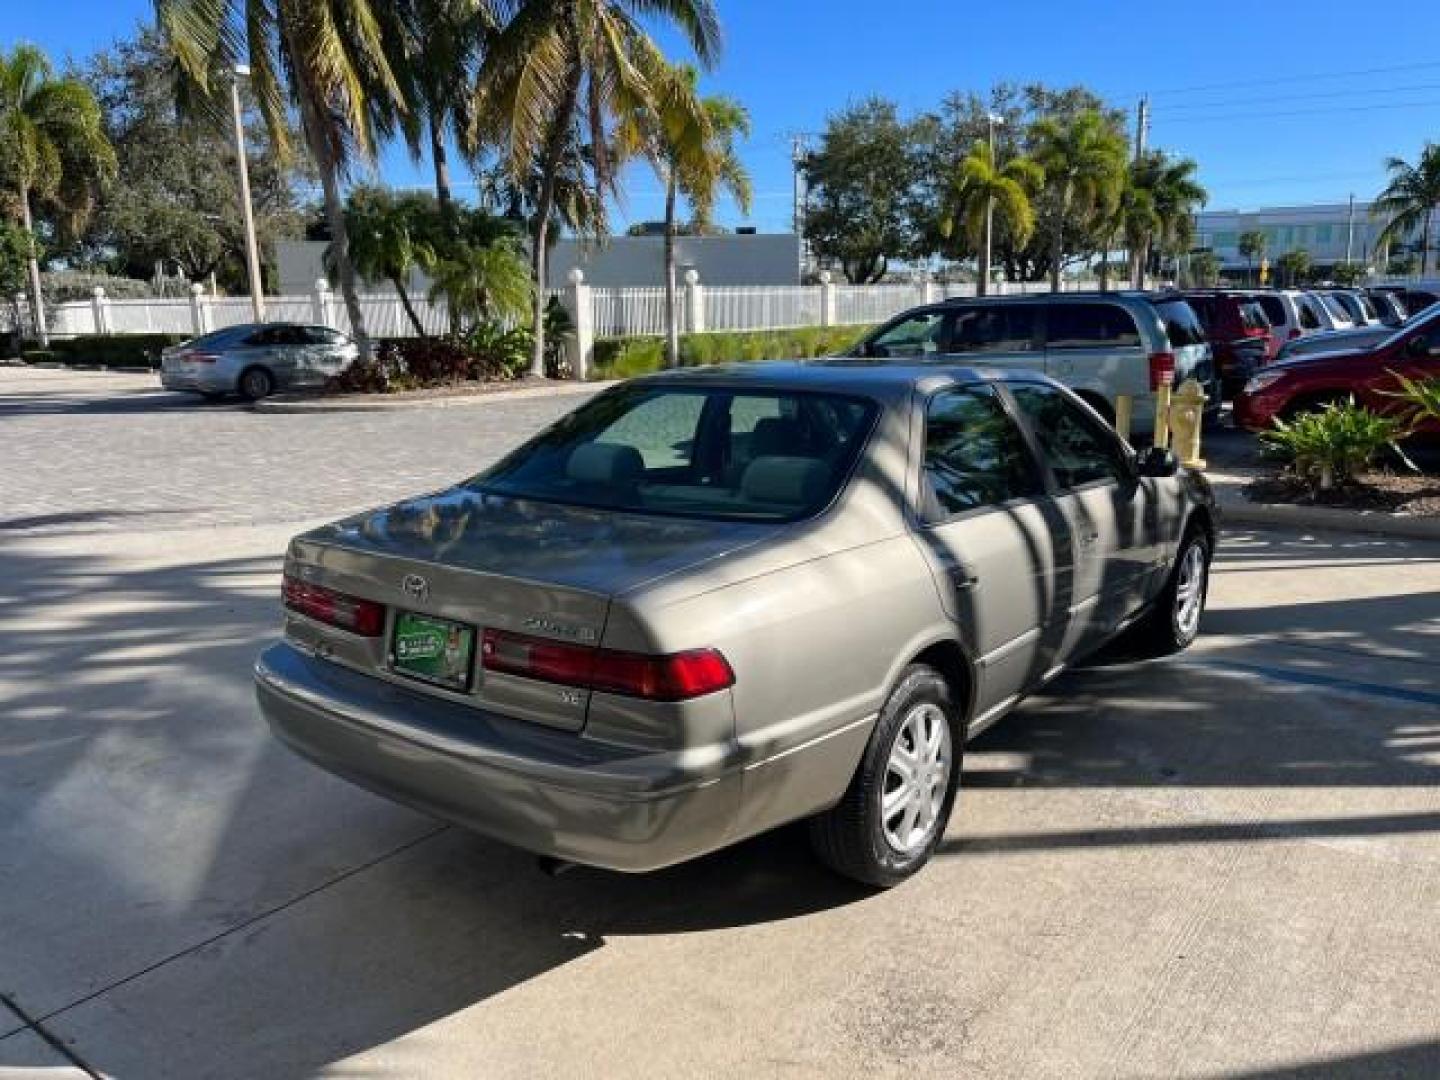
x,y
205,382
552,792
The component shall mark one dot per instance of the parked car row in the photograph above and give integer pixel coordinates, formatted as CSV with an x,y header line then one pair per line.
x,y
1355,365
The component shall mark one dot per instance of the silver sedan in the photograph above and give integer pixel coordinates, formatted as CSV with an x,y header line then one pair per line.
x,y
710,602
256,359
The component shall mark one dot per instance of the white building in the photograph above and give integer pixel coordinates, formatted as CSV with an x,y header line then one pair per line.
x,y
620,262
1327,231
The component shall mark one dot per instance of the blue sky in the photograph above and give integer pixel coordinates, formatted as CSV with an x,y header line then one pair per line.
x,y
1280,101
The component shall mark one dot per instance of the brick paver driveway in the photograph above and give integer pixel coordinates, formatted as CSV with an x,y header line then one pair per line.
x,y
96,450
1222,865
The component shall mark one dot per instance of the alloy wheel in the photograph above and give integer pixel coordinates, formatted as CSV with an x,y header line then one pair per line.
x,y
917,777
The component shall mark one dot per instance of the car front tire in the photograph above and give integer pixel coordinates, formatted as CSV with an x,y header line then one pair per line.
x,y
893,814
256,383
1174,622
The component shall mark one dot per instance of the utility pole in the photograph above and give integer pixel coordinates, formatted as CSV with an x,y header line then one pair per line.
x,y
983,285
252,251
1350,231
797,218
1142,126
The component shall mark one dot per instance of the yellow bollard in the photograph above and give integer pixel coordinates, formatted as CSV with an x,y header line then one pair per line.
x,y
1187,418
1162,416
1124,407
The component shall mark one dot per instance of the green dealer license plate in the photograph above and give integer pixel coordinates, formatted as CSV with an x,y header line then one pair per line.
x,y
435,650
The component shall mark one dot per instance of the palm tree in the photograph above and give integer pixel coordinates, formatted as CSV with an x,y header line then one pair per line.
x,y
489,283
1173,194
981,192
1252,247
691,145
1083,158
563,67
329,59
389,236
53,152
1410,199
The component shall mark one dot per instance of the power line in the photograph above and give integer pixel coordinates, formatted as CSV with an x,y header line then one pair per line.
x,y
1279,80
1327,111
1308,95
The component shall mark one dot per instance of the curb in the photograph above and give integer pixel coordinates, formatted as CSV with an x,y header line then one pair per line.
x,y
1240,511
380,403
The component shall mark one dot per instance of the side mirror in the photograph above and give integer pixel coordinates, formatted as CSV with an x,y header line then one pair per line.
x,y
1158,461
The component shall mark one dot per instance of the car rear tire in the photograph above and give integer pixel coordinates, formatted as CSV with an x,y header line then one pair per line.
x,y
256,383
1174,621
893,814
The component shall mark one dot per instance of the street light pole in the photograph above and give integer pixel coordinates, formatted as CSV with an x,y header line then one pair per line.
x,y
984,283
252,251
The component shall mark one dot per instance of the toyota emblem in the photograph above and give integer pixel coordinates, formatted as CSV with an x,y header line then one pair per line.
x,y
415,587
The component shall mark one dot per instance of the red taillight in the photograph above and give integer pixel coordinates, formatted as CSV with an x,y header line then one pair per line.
x,y
1256,332
675,677
363,617
1162,370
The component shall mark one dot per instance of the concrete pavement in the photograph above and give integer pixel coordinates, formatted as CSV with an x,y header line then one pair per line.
x,y
1223,865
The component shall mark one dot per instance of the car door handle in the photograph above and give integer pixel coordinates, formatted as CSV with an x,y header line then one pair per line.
x,y
962,577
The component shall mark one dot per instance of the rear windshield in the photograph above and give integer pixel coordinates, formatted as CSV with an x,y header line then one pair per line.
x,y
1181,325
1253,317
716,453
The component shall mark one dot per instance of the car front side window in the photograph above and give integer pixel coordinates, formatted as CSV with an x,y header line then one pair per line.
x,y
1079,452
917,334
975,456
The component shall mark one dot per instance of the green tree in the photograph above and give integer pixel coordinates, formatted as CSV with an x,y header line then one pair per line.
x,y
175,199
984,195
1347,273
1205,268
1173,196
1252,247
863,182
559,67
1410,200
1084,161
53,153
693,153
1294,266
328,59
483,283
390,236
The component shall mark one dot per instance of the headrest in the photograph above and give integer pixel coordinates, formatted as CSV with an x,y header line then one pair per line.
x,y
776,435
790,481
611,464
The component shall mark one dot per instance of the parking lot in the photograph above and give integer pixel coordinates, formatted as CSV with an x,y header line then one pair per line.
x,y
1222,865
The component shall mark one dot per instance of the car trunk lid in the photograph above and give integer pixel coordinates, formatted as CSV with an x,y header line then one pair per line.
x,y
449,566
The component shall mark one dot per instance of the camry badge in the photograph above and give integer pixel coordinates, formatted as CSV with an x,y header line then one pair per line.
x,y
415,587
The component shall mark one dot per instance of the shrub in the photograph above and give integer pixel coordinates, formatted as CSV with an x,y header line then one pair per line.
x,y
38,356
487,353
1329,447
625,357
1419,400
63,286
119,350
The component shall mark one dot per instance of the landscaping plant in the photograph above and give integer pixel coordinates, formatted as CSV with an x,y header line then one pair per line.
x,y
1329,447
1419,400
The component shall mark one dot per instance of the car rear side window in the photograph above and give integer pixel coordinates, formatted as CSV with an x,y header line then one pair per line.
x,y
1090,326
1309,317
1253,317
1078,451
1274,309
975,456
1181,326
988,328
712,452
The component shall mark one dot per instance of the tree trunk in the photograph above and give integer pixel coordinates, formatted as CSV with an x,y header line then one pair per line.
x,y
1057,245
329,168
550,163
1105,263
440,157
410,308
672,319
982,280
1425,247
1138,255
32,267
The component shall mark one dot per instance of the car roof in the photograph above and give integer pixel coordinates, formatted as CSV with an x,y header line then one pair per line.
x,y
871,378
1060,297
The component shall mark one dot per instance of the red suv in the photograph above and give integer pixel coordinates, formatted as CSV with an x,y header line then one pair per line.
x,y
1309,382
1239,333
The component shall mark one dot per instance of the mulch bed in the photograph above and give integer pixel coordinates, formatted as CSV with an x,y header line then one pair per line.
x,y
1393,493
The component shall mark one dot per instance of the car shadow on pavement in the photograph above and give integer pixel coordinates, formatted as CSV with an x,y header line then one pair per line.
x,y
112,401
176,879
